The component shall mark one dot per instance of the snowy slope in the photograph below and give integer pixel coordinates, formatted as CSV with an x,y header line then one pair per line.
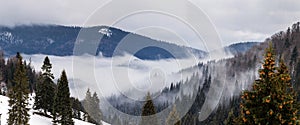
x,y
34,119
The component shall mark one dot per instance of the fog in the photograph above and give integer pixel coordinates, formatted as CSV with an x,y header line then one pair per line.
x,y
116,75
133,77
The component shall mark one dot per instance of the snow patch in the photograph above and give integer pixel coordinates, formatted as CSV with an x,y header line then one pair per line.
x,y
34,119
105,31
50,40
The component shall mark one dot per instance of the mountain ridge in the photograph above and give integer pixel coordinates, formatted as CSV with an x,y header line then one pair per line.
x,y
60,41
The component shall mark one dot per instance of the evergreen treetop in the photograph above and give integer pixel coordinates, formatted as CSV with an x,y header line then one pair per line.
x,y
148,112
62,111
45,89
173,118
271,101
91,105
46,68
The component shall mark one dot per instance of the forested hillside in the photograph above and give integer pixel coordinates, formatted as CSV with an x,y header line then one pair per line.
x,y
228,76
61,40
30,93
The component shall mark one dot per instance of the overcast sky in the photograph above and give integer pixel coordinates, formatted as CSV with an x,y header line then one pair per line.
x,y
234,20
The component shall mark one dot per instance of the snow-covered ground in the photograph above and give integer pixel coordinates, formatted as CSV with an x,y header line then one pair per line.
x,y
34,119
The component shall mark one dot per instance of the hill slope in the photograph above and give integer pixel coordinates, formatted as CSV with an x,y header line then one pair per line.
x,y
34,119
227,79
239,48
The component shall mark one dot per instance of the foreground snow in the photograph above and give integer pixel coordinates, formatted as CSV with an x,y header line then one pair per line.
x,y
34,119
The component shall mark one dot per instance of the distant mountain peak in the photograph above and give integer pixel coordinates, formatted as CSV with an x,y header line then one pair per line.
x,y
239,48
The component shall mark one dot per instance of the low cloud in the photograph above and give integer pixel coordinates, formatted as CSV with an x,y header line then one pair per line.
x,y
116,75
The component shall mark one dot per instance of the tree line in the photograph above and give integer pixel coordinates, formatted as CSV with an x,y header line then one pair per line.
x,y
51,99
270,101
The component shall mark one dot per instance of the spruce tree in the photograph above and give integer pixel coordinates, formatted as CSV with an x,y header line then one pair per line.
x,y
18,96
116,120
173,118
37,99
148,112
62,109
77,108
87,105
45,88
230,118
272,100
96,114
91,105
294,56
1,78
297,79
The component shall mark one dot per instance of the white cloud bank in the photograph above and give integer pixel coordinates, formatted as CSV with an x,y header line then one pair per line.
x,y
115,75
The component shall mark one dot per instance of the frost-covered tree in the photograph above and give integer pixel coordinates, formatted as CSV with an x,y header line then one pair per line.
x,y
91,106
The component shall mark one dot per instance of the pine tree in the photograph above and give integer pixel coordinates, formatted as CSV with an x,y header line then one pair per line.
x,y
297,77
294,56
45,88
287,43
91,105
272,100
230,119
148,112
287,96
1,78
77,108
62,109
38,99
116,120
18,96
173,118
87,105
96,114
